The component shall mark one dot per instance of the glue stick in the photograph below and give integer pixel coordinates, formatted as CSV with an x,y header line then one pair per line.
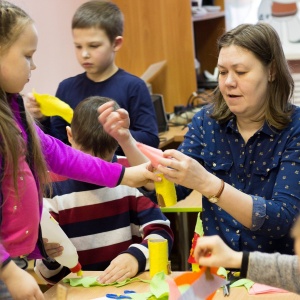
x,y
53,232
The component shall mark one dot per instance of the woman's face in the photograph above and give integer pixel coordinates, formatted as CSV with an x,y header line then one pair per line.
x,y
243,81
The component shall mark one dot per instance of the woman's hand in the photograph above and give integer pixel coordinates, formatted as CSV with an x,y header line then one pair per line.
x,y
184,170
211,251
20,284
122,267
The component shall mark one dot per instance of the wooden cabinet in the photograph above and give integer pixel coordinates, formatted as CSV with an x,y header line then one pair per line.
x,y
157,30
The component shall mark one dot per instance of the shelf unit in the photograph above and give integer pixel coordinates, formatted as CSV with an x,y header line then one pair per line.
x,y
207,29
157,30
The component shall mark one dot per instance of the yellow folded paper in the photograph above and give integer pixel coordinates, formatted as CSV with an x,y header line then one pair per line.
x,y
52,106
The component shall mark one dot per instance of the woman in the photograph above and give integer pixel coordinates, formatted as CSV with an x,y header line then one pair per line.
x,y
242,151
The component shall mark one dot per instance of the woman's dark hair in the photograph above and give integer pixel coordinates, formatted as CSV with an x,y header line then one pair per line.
x,y
263,41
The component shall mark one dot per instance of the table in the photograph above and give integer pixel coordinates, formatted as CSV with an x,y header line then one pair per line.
x,y
81,293
173,137
192,203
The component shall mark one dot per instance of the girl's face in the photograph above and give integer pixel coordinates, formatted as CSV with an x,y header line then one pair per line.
x,y
95,52
16,63
243,81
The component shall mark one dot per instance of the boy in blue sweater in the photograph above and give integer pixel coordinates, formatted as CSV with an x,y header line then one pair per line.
x,y
109,227
97,29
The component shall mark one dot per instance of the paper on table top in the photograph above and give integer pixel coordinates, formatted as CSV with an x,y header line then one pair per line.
x,y
258,288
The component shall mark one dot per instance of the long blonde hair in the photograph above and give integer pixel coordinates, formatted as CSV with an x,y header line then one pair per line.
x,y
13,20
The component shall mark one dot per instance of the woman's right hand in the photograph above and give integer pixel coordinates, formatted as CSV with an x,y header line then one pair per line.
x,y
20,284
33,107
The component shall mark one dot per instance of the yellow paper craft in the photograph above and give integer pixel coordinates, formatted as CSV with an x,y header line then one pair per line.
x,y
52,106
158,256
165,192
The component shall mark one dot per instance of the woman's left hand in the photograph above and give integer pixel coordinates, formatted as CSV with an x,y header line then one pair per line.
x,y
184,170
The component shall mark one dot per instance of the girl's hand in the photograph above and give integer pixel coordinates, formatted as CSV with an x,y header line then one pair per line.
x,y
20,284
33,107
211,251
122,267
115,122
53,249
140,175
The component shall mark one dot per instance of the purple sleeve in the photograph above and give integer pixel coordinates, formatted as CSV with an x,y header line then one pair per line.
x,y
66,161
3,254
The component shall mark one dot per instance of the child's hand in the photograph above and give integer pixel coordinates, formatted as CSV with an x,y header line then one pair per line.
x,y
32,106
53,249
115,122
122,267
20,284
140,176
211,251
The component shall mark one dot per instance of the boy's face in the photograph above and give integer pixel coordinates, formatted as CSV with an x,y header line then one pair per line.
x,y
95,52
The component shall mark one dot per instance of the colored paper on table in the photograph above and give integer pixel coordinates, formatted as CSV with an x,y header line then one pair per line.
x,y
203,284
258,288
89,281
153,154
202,288
52,106
247,283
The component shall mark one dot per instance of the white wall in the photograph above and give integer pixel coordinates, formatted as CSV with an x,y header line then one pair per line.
x,y
55,56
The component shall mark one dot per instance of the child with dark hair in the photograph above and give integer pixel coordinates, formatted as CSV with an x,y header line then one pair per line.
x,y
97,28
109,227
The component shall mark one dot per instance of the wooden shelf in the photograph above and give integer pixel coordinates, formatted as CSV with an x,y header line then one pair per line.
x,y
156,30
208,16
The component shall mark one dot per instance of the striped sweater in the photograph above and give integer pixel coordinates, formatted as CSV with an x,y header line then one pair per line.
x,y
102,223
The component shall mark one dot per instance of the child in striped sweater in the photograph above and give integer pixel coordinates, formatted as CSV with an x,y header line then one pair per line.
x,y
108,226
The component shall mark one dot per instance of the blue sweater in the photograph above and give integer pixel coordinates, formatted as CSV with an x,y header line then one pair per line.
x,y
129,91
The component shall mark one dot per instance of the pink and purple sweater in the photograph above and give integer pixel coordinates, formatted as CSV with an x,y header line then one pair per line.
x,y
19,229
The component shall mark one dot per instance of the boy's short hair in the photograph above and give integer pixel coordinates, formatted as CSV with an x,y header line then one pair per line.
x,y
87,132
100,14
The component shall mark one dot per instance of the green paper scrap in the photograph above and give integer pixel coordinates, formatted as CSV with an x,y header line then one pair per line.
x,y
159,288
199,226
92,281
222,272
158,285
247,283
